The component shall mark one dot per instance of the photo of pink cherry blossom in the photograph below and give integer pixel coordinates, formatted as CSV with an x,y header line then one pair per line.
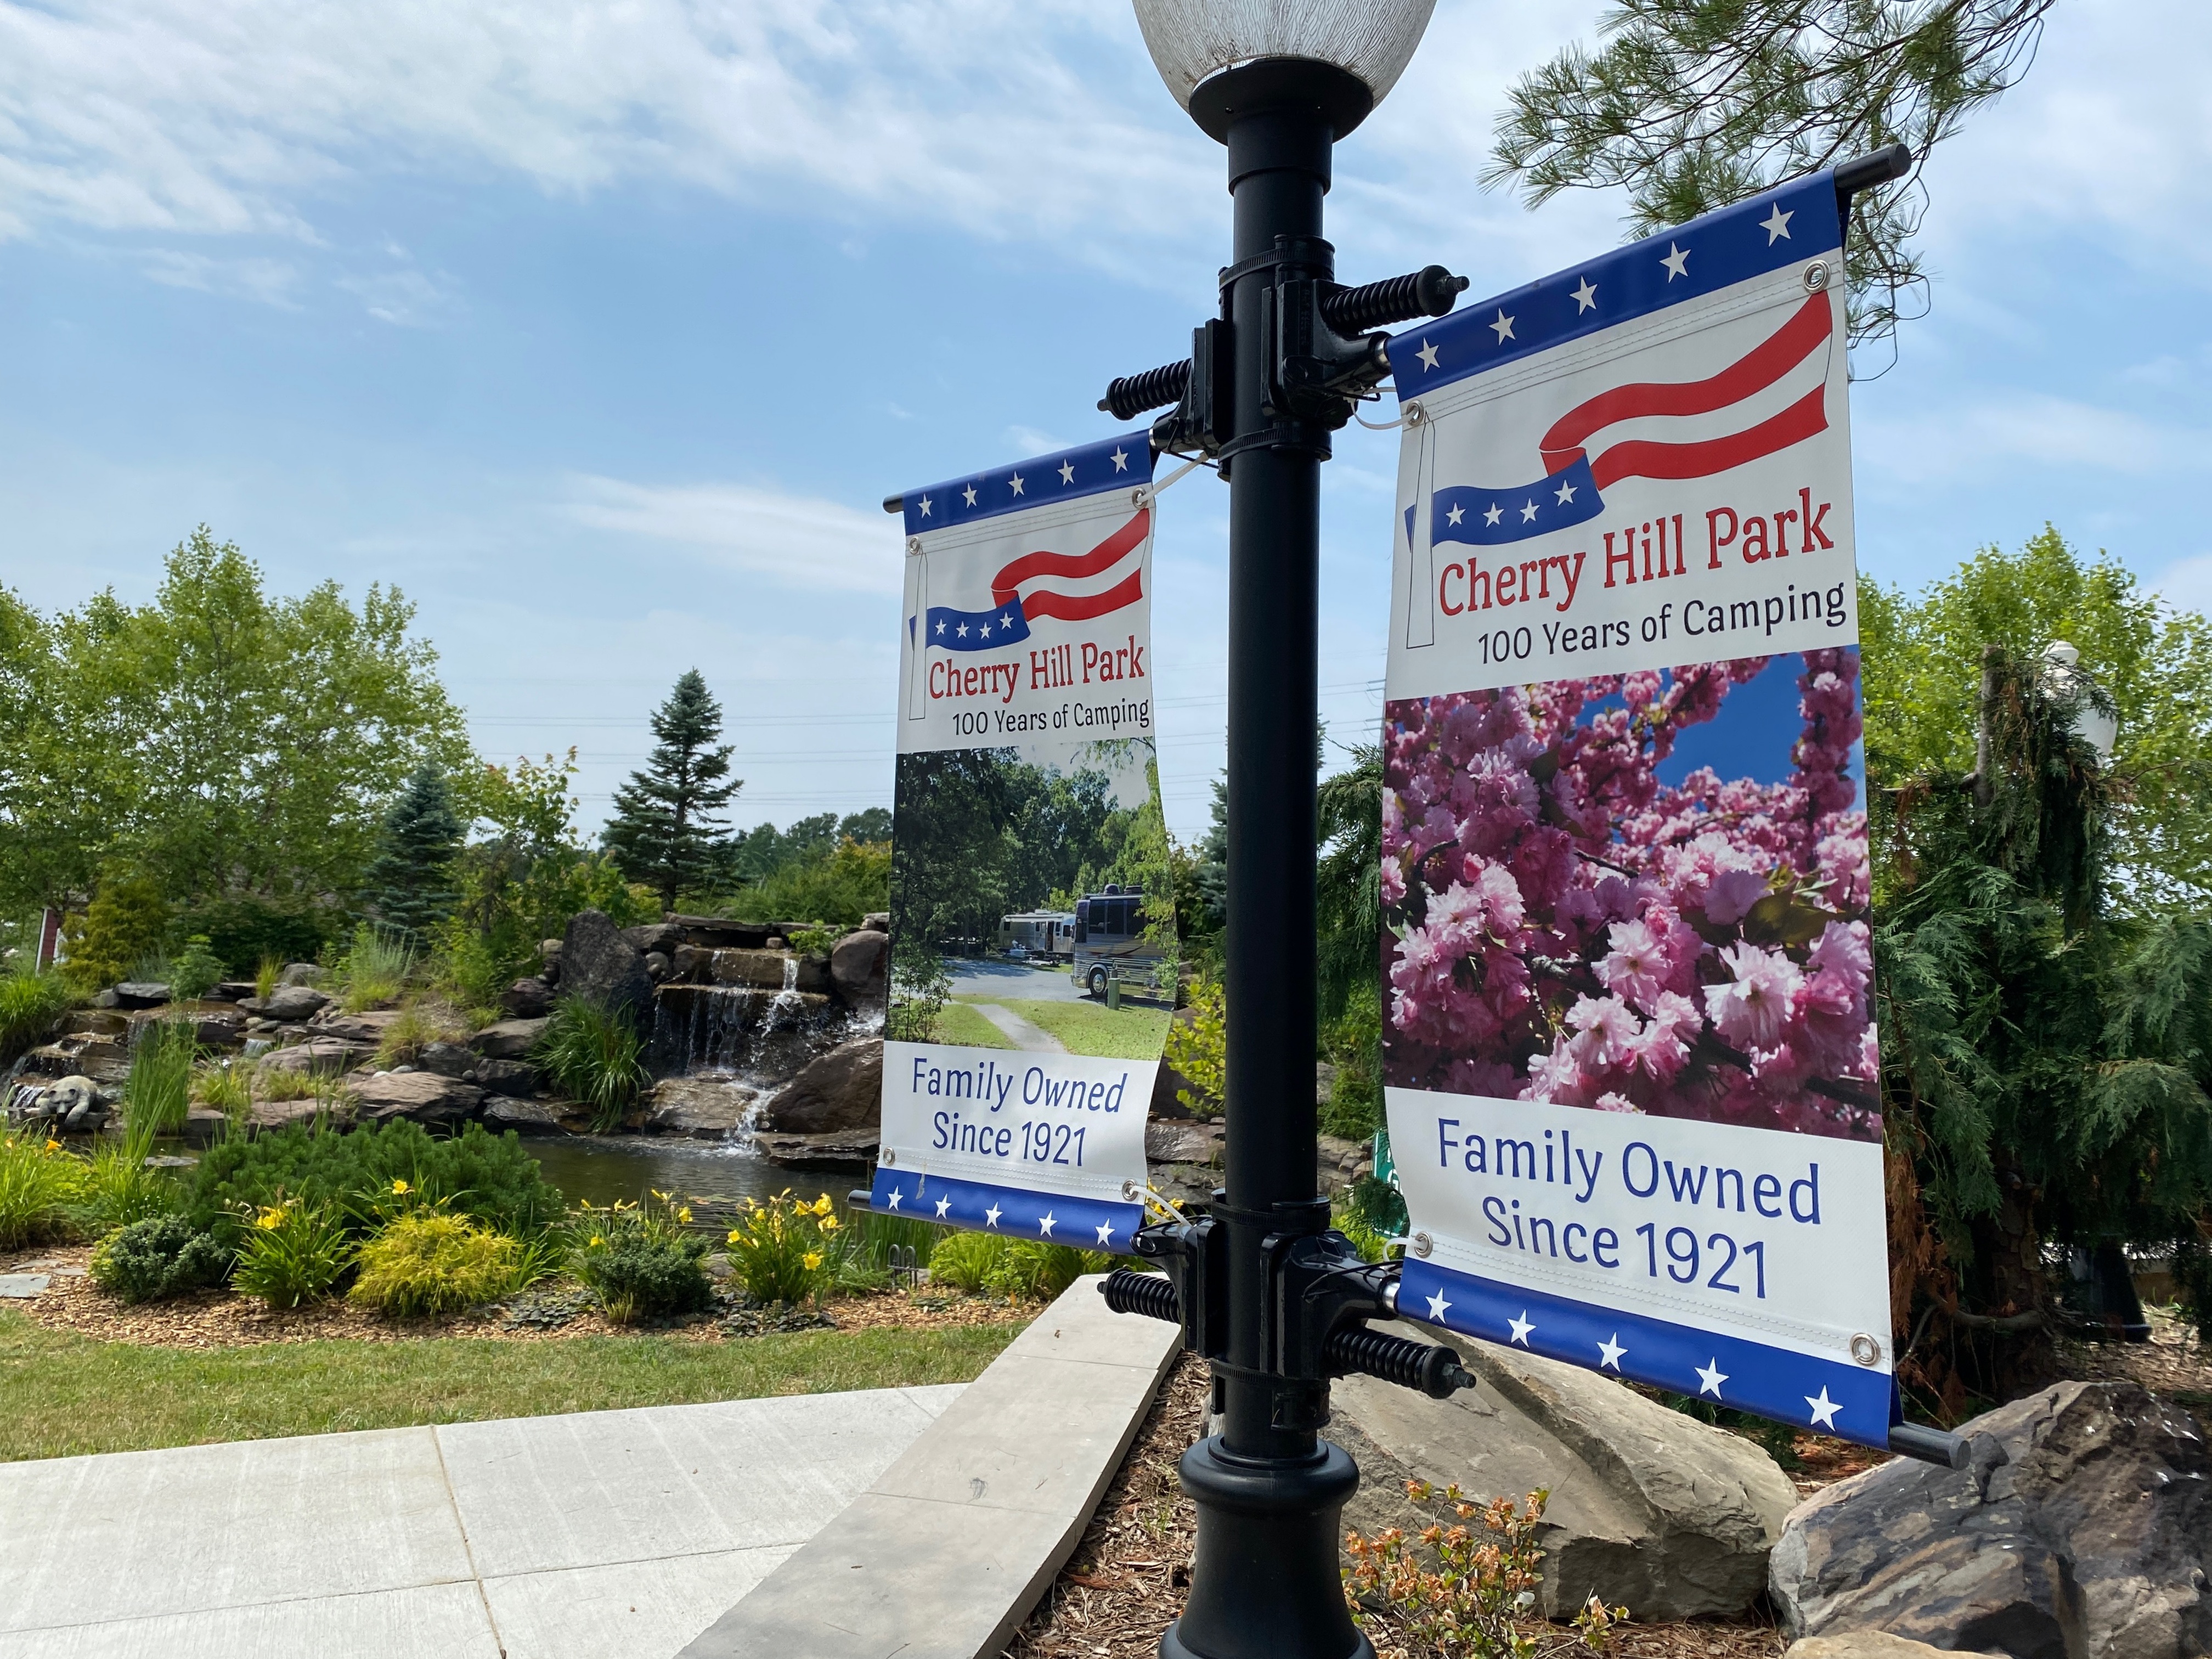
x,y
1564,926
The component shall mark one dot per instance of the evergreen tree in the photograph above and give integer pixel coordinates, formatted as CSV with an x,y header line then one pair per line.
x,y
665,832
1691,105
410,880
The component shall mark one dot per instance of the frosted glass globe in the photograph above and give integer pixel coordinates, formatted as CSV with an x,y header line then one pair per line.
x,y
1372,41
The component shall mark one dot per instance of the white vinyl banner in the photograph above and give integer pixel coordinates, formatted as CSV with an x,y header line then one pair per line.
x,y
1025,754
1629,1055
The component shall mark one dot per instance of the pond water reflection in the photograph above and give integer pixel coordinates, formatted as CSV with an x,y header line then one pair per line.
x,y
711,1176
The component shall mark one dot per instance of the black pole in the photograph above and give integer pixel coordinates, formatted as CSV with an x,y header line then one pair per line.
x,y
1269,1490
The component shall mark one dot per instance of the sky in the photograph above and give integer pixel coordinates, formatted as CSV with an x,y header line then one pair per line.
x,y
602,329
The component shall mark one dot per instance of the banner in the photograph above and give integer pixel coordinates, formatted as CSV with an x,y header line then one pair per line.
x,y
1032,920
1629,1059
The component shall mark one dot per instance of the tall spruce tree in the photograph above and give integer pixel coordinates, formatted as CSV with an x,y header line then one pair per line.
x,y
665,831
410,882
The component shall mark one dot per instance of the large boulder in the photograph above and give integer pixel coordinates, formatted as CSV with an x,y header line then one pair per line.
x,y
448,1059
326,1056
664,937
527,999
267,1116
1862,1644
367,1027
528,1117
705,1108
841,1091
424,1096
843,1150
289,1003
516,1078
510,1039
601,966
1649,1507
2082,1529
858,964
768,971
300,973
141,994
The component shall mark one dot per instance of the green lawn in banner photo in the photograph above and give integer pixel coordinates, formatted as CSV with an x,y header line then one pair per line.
x,y
66,1394
1092,1028
961,1026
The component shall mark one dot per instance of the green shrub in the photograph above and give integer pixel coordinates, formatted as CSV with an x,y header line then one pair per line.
x,y
862,1259
375,969
963,1261
120,1191
158,1093
782,1248
293,1252
642,1262
225,1085
592,1055
41,1188
1026,1269
160,1256
244,931
265,975
29,1004
193,973
432,1263
1033,1270
490,1178
126,919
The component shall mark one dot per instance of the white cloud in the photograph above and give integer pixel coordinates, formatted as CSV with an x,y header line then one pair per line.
x,y
270,281
801,542
407,298
1037,120
2035,428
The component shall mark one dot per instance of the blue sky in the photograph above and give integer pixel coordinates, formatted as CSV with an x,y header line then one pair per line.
x,y
601,331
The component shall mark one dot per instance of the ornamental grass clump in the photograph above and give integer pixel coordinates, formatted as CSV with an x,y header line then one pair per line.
x,y
375,970
157,1095
292,1252
782,1248
594,1055
161,1256
29,1004
1478,1598
643,1262
1019,1269
430,1263
42,1187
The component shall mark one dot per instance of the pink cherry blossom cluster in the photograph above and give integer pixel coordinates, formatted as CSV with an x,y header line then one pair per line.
x,y
1564,928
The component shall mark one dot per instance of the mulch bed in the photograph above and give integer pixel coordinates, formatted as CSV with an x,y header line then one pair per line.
x,y
223,1319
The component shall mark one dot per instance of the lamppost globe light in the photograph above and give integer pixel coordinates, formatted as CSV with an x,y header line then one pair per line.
x,y
1195,42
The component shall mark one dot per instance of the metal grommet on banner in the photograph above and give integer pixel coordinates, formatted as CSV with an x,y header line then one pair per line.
x,y
1414,414
912,546
1816,275
1132,1191
887,1157
1866,1350
1422,1245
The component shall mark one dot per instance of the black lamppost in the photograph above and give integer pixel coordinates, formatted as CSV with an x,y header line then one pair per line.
x,y
1264,1290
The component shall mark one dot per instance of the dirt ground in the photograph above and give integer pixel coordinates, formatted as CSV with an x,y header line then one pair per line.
x,y
1128,1577
223,1319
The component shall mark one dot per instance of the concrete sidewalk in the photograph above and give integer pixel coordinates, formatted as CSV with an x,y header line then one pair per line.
x,y
566,1537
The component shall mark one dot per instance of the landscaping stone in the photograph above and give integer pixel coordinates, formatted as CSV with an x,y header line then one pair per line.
x,y
291,1003
265,1116
325,1056
448,1059
858,964
217,1031
876,921
764,970
141,994
846,1149
204,1125
2082,1529
106,999
423,1096
22,1286
511,1039
529,1117
527,999
1864,1644
231,990
664,937
1184,1140
367,1027
706,1108
1649,1507
94,1022
300,973
841,1091
601,966
506,1076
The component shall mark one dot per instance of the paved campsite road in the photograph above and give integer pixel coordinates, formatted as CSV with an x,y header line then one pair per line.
x,y
1032,1039
974,978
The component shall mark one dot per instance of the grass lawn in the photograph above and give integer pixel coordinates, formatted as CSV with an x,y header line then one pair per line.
x,y
1092,1028
65,1394
956,1022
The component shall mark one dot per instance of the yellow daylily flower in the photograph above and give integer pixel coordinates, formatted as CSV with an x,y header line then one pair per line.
x,y
596,1239
737,1235
812,1258
830,1223
400,1186
684,1214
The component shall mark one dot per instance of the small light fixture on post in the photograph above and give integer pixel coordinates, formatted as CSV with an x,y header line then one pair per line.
x,y
1273,1299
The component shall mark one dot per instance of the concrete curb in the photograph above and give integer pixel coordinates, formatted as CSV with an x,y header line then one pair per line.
x,y
943,1556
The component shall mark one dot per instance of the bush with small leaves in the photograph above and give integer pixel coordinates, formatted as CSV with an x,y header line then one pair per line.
x,y
642,1262
160,1257
430,1263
